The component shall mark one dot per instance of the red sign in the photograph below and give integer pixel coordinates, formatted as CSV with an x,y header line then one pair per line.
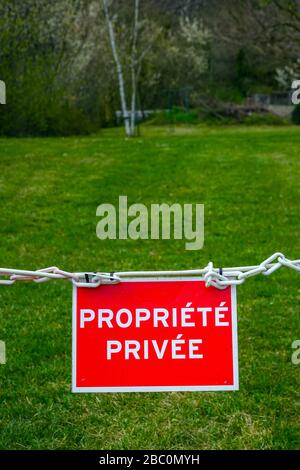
x,y
154,335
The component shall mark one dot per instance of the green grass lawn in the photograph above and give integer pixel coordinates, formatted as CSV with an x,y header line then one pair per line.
x,y
248,179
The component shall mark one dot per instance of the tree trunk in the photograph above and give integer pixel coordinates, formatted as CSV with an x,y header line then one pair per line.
x,y
119,69
2,92
134,66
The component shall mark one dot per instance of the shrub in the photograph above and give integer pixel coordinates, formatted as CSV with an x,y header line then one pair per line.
x,y
264,120
175,115
296,115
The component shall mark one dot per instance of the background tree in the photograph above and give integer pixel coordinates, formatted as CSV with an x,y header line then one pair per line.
x,y
130,52
56,58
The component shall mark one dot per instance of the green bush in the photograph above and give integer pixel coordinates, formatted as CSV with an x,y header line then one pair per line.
x,y
67,120
228,94
296,115
175,115
217,117
37,104
264,120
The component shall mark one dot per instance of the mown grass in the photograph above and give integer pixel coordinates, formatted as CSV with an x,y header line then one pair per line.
x,y
248,179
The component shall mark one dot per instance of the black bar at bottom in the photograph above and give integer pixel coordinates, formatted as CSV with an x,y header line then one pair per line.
x,y
132,459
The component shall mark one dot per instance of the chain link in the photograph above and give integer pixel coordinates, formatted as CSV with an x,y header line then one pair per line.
x,y
213,276
236,276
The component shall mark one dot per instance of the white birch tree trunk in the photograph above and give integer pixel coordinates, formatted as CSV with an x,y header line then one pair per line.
x,y
2,92
119,69
134,64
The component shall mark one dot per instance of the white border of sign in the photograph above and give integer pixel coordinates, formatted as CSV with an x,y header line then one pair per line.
x,y
184,388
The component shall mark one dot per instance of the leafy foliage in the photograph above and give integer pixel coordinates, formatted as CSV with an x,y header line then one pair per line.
x,y
296,115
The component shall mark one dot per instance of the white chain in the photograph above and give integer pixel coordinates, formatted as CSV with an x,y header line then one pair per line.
x,y
217,277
